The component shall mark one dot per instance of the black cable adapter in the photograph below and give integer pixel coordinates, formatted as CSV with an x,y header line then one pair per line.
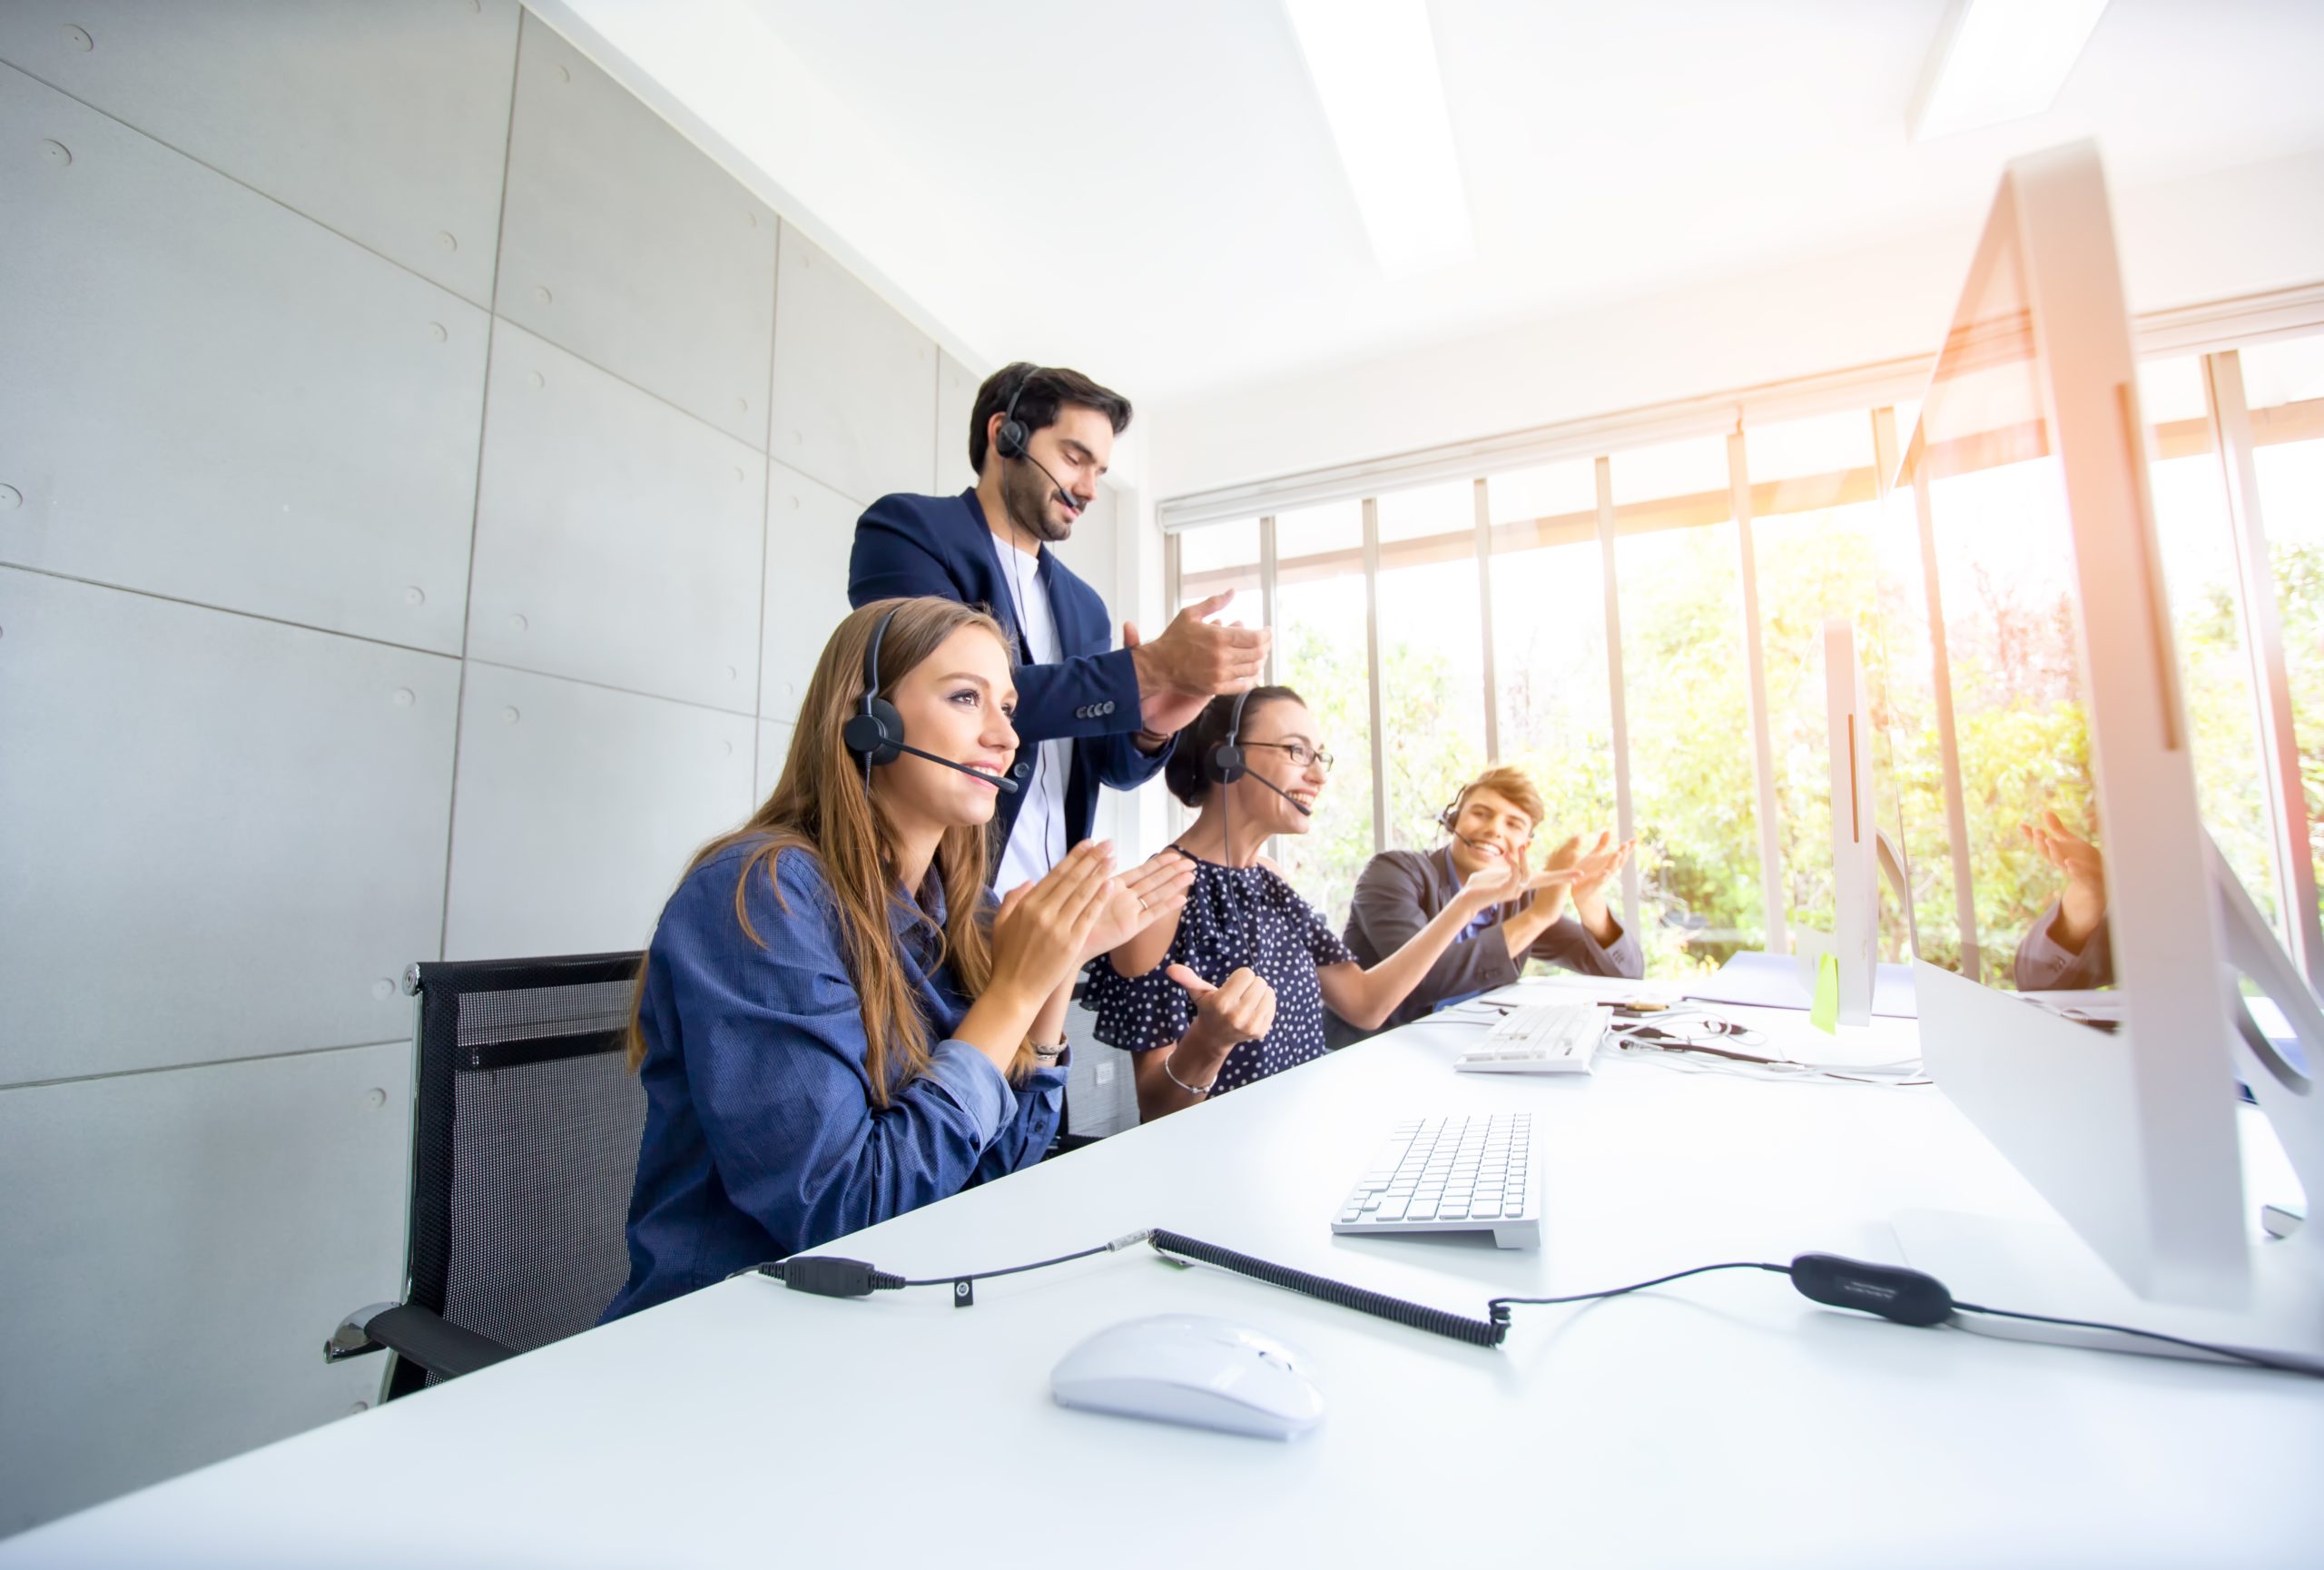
x,y
829,1276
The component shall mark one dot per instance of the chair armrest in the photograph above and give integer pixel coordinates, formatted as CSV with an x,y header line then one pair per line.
x,y
443,1348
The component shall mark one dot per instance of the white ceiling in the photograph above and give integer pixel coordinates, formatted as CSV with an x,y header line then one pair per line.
x,y
1144,189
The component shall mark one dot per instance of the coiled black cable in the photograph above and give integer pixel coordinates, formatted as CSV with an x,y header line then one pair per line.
x,y
1892,1291
1419,1317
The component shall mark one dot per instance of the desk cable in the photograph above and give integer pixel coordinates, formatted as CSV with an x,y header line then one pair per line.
x,y
1894,1292
1685,1037
1656,1044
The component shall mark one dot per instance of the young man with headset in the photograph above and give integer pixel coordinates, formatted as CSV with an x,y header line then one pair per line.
x,y
1088,713
1491,823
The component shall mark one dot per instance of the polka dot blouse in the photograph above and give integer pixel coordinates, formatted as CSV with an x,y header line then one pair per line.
x,y
1234,917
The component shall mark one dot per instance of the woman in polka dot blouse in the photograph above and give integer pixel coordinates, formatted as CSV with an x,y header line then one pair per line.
x,y
1234,988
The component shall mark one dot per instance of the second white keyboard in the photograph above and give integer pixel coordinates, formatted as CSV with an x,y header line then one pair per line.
x,y
1539,1039
1461,1174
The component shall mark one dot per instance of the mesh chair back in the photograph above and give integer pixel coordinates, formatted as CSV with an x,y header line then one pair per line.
x,y
525,1145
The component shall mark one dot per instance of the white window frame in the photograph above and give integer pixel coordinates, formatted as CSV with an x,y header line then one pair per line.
x,y
2212,329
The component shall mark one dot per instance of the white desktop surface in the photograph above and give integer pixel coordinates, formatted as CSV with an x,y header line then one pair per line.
x,y
1724,1420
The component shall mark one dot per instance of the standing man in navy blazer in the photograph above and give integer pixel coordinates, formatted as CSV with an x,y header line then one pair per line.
x,y
1087,714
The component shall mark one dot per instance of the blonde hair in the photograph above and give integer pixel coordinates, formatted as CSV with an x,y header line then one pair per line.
x,y
1508,783
821,809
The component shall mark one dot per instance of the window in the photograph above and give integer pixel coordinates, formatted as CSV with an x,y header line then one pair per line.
x,y
1476,645
2006,570
1908,755
2283,385
1217,558
1321,649
1692,778
1432,661
1816,522
1555,714
2198,544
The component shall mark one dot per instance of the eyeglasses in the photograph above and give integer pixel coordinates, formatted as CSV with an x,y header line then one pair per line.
x,y
1300,754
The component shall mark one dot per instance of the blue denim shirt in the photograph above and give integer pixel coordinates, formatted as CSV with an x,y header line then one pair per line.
x,y
761,1139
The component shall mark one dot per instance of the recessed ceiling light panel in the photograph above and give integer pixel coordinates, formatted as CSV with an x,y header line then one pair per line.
x,y
1997,60
1374,63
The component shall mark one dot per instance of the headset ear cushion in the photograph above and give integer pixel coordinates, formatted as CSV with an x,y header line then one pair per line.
x,y
875,734
1010,439
1226,764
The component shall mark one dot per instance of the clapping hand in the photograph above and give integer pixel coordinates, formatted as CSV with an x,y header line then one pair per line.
x,y
1041,933
1595,867
1192,660
1591,868
2083,902
1499,882
1155,888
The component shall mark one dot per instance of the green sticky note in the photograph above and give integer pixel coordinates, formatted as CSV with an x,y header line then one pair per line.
x,y
1824,1013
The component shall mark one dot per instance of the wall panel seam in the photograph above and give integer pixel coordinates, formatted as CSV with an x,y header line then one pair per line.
x,y
244,185
490,306
766,509
227,611
613,375
404,1042
476,494
609,687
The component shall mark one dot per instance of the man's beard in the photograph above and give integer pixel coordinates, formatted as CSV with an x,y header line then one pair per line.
x,y
1025,491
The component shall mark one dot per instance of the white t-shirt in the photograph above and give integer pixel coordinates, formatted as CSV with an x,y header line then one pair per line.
x,y
1036,838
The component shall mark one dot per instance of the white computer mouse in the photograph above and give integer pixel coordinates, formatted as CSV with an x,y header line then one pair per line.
x,y
1191,1368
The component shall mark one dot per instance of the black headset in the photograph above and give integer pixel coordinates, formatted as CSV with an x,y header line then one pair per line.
x,y
877,734
1225,763
1012,440
1449,819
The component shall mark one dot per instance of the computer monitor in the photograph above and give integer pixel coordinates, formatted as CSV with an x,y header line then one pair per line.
x,y
1857,847
2028,463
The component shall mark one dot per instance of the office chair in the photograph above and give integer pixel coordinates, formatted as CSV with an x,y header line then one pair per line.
x,y
525,1134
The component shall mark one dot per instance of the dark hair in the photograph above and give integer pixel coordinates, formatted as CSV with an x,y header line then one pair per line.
x,y
1039,391
1216,724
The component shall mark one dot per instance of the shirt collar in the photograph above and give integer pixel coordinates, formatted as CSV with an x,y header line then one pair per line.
x,y
904,913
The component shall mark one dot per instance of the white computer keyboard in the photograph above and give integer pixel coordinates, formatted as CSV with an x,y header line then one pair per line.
x,y
1471,1173
1539,1039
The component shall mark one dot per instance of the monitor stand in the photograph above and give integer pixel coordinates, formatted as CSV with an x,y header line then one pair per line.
x,y
2033,1266
2043,1267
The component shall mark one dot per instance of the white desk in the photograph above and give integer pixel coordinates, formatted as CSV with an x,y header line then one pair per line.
x,y
1725,1421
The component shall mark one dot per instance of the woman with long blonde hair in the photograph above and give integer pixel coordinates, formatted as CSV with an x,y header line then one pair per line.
x,y
834,1023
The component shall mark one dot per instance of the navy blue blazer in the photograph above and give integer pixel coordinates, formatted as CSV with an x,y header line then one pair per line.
x,y
938,545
